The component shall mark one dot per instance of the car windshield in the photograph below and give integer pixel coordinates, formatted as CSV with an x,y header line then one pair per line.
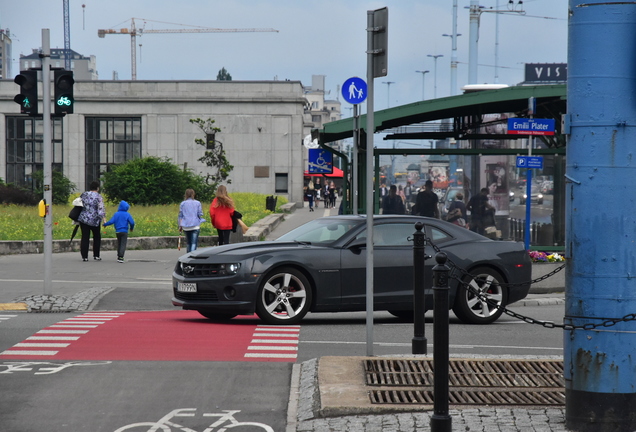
x,y
451,194
323,230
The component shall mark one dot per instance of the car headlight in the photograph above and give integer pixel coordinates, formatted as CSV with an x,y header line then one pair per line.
x,y
232,268
539,196
525,196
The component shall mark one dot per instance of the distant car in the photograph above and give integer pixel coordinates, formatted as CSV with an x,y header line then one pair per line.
x,y
511,195
321,267
535,196
448,198
547,187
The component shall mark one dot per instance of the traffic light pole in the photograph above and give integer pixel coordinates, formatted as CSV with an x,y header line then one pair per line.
x,y
48,157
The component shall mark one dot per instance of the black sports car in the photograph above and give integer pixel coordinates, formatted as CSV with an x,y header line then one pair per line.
x,y
321,267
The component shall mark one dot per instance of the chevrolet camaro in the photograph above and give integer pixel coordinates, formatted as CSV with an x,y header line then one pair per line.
x,y
321,267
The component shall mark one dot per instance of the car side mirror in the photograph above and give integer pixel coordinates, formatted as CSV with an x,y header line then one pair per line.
x,y
358,243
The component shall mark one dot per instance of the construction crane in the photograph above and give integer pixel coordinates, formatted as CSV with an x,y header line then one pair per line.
x,y
67,36
134,32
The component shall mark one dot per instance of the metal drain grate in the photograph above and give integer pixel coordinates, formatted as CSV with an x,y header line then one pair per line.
x,y
472,382
469,397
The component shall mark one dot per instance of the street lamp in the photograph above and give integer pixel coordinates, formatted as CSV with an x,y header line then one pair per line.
x,y
388,92
423,81
435,57
453,61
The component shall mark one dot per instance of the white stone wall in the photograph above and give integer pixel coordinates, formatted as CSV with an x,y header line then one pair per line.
x,y
261,125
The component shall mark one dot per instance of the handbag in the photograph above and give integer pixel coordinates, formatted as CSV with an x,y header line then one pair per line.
x,y
454,214
244,227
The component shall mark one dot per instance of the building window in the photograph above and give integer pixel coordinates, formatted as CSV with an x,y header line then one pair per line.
x,y
316,118
315,105
281,184
25,149
110,141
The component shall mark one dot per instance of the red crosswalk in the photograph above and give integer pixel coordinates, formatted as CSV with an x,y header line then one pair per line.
x,y
164,336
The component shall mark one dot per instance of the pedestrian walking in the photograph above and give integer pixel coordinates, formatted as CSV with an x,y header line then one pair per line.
x,y
393,203
221,211
457,211
90,220
332,195
123,221
190,219
479,209
426,203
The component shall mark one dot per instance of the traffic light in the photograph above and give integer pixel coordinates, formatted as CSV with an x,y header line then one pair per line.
x,y
63,100
28,97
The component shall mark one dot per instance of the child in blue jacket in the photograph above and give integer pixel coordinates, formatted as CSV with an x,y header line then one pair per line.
x,y
122,219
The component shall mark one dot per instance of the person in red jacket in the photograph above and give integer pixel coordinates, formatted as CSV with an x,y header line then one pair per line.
x,y
221,211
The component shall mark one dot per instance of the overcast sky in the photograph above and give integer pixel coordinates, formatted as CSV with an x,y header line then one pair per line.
x,y
321,37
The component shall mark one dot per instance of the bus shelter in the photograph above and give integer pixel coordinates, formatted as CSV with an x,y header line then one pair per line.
x,y
461,143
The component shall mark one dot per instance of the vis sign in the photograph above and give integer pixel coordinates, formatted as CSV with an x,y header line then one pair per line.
x,y
526,126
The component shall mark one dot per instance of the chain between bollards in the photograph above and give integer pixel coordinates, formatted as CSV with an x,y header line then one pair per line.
x,y
441,420
419,302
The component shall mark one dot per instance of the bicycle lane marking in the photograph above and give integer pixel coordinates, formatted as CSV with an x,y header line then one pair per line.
x,y
163,336
58,336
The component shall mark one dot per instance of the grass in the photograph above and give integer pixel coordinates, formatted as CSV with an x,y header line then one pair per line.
x,y
23,222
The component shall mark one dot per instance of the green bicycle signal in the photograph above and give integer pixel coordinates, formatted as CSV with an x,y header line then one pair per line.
x,y
64,101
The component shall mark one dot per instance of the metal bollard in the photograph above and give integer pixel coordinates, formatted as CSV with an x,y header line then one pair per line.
x,y
419,303
441,420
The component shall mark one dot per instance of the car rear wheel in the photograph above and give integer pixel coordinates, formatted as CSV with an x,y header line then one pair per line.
x,y
472,309
217,316
284,297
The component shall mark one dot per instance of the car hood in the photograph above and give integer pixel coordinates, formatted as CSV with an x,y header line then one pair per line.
x,y
239,251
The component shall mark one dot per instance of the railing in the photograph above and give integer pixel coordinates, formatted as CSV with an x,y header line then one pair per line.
x,y
540,233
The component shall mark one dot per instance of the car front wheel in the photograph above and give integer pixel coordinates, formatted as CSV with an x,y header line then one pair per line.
x,y
474,309
284,297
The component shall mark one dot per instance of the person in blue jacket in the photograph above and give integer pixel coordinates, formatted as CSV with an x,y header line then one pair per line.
x,y
122,220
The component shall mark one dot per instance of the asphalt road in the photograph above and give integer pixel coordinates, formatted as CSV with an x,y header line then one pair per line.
x,y
101,393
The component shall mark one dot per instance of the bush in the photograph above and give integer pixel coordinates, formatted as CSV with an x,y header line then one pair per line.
x,y
62,186
10,194
151,181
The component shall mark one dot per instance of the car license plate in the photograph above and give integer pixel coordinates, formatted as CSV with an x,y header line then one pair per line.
x,y
186,287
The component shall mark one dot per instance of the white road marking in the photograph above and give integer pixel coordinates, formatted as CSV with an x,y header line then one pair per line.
x,y
40,345
272,348
29,353
272,355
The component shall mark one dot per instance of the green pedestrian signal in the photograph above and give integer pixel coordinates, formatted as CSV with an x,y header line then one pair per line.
x,y
63,101
28,97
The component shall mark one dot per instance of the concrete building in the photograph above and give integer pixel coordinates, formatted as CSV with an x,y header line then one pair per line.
x,y
320,110
262,127
5,54
84,68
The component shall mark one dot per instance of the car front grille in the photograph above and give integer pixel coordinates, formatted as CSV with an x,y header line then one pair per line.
x,y
201,270
201,296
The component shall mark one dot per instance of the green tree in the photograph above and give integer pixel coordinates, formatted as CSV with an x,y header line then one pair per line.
x,y
214,156
223,75
152,181
62,186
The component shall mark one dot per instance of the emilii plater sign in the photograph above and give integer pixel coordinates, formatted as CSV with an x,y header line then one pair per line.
x,y
527,126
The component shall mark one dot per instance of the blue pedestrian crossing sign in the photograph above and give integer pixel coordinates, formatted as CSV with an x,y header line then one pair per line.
x,y
354,90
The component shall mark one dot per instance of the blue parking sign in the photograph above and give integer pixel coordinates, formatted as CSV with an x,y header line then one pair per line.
x,y
530,162
354,90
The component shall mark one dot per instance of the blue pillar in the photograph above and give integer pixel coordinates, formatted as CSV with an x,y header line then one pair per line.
x,y
600,363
